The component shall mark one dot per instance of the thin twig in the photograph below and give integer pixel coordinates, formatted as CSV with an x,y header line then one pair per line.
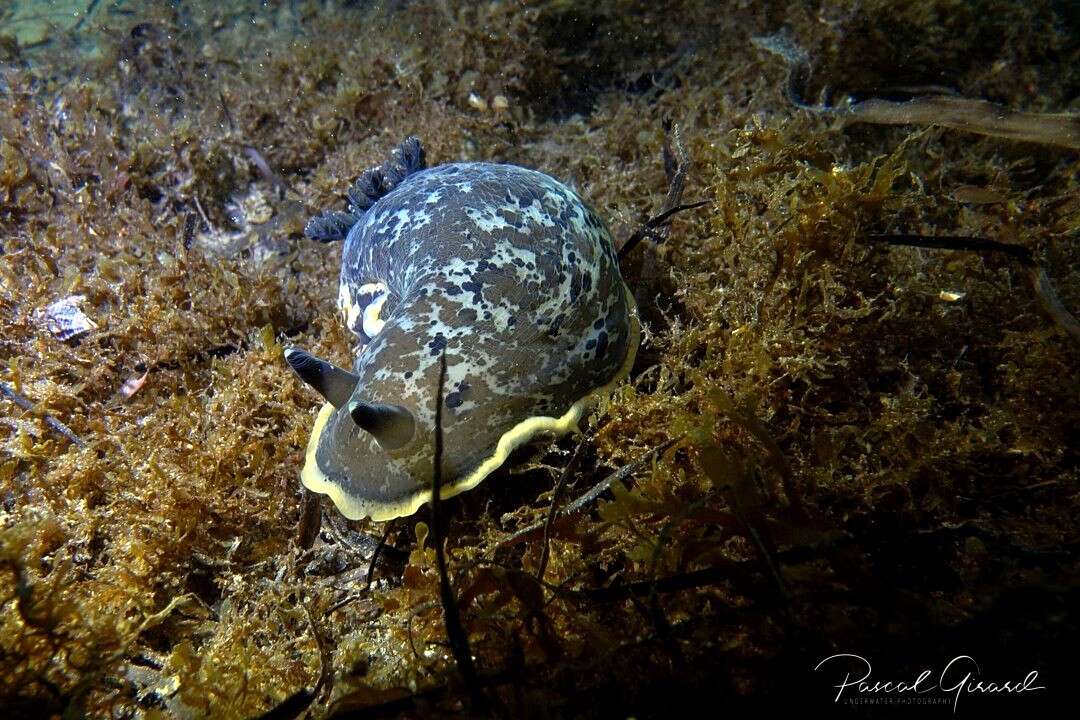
x,y
455,633
27,404
86,15
409,634
375,555
1026,488
955,242
623,473
766,557
205,219
348,599
267,172
563,477
594,492
326,665
1051,301
649,225
676,168
718,573
655,614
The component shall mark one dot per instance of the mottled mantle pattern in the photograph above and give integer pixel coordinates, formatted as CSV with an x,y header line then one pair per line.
x,y
516,279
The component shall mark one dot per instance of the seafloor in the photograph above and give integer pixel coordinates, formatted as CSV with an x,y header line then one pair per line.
x,y
863,448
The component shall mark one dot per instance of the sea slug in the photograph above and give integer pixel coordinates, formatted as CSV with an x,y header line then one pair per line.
x,y
502,268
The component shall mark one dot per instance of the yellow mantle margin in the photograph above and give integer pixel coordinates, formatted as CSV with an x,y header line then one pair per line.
x,y
355,508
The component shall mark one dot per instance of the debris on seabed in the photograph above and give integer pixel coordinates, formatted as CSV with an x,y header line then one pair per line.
x,y
477,102
950,296
133,384
64,318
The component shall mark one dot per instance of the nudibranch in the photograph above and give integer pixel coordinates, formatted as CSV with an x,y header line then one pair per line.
x,y
503,269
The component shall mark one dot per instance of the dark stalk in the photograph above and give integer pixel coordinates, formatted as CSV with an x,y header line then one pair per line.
x,y
955,242
676,168
586,499
651,224
375,555
310,520
455,633
27,404
555,494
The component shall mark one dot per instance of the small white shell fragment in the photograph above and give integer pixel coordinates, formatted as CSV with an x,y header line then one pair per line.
x,y
499,103
64,319
950,296
477,102
132,385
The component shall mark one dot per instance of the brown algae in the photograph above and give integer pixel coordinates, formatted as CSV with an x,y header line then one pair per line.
x,y
848,460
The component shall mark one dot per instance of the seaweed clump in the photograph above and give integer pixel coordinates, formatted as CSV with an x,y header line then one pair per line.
x,y
826,444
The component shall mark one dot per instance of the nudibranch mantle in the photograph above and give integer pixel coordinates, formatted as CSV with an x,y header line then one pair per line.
x,y
502,268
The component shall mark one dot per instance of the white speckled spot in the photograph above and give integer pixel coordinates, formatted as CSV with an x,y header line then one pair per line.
x,y
373,324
